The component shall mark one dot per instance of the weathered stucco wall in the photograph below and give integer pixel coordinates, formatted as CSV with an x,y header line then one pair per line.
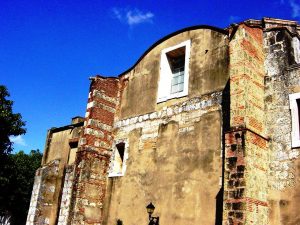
x,y
206,75
46,196
59,140
174,151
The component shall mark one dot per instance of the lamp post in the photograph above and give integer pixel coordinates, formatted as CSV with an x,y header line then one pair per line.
x,y
152,220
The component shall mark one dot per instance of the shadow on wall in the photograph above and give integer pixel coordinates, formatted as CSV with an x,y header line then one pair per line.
x,y
225,127
219,207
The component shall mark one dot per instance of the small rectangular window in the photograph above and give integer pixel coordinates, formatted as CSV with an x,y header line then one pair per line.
x,y
73,143
176,60
118,159
295,117
121,150
174,72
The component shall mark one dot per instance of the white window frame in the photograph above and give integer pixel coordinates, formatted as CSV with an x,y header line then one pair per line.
x,y
165,77
111,172
295,135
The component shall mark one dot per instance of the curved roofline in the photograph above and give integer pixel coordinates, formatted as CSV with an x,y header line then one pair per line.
x,y
225,32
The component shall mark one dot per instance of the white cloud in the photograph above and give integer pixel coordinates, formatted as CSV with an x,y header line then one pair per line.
x,y
117,13
234,19
132,17
19,140
136,17
295,8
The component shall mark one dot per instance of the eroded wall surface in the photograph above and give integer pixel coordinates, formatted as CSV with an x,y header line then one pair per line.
x,y
261,172
93,155
206,75
246,145
66,196
51,177
174,147
43,205
220,155
283,78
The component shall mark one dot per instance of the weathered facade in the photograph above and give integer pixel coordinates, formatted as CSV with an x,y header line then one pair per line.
x,y
205,125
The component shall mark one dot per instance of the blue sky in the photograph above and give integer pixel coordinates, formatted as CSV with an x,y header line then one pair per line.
x,y
49,49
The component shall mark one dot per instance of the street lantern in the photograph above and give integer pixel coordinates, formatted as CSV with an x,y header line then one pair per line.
x,y
150,208
152,220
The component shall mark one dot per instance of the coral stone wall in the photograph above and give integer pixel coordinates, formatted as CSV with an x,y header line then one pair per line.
x,y
43,205
283,78
35,198
66,196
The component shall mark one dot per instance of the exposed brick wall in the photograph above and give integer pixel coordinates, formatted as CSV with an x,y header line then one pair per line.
x,y
247,79
246,148
234,178
256,176
89,189
245,202
94,152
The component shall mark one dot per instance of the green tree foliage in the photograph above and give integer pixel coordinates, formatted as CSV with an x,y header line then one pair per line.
x,y
11,124
16,170
15,192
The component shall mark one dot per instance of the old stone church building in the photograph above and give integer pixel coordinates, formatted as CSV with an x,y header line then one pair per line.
x,y
205,126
